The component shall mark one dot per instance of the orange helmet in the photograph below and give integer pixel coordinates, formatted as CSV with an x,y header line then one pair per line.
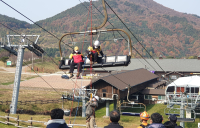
x,y
144,116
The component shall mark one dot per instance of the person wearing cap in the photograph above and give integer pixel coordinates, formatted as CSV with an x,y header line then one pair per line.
x,y
93,52
90,111
144,117
77,58
172,122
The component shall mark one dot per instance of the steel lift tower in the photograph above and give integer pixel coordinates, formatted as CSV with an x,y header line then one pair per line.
x,y
23,41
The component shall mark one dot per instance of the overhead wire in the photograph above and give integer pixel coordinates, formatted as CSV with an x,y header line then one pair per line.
x,y
134,35
136,39
123,37
44,51
25,62
33,22
43,29
40,26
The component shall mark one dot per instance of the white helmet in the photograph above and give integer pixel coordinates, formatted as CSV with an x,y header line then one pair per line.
x,y
96,44
96,97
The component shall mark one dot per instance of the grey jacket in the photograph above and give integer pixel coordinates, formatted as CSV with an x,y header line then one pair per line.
x,y
90,110
156,125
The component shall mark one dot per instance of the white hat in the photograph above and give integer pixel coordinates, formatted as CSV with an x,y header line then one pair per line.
x,y
96,44
96,97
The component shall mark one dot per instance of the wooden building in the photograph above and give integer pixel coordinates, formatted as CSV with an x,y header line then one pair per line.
x,y
115,85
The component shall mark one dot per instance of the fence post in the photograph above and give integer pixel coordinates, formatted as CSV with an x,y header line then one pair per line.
x,y
31,121
17,120
8,118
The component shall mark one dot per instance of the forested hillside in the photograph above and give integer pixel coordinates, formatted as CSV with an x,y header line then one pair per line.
x,y
161,30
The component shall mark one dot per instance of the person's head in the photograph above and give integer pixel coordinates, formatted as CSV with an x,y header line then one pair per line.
x,y
76,49
57,113
144,116
90,48
96,98
96,44
173,118
114,116
156,118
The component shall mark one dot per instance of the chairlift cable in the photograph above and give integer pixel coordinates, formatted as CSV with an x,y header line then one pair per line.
x,y
33,42
85,30
136,38
33,22
126,40
123,37
79,97
38,26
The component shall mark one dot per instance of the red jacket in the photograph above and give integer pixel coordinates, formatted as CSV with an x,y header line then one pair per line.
x,y
78,58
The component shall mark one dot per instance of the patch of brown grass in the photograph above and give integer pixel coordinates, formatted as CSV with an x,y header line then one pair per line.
x,y
1,64
9,77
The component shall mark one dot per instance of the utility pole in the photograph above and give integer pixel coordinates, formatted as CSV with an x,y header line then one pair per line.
x,y
13,105
20,54
182,112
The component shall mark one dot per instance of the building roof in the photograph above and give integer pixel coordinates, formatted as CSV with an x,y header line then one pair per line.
x,y
156,84
121,80
153,92
190,81
184,65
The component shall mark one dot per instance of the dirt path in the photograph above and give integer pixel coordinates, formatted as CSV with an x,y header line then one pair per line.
x,y
54,81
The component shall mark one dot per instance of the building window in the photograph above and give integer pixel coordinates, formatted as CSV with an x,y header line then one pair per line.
x,y
134,97
147,97
104,92
161,97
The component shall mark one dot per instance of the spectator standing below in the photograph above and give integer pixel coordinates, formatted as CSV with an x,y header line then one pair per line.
x,y
114,118
156,121
90,111
144,117
57,120
172,122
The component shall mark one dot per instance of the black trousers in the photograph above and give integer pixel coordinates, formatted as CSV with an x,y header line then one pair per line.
x,y
79,67
94,57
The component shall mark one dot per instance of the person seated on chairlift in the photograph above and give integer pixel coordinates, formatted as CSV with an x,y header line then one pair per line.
x,y
77,58
94,51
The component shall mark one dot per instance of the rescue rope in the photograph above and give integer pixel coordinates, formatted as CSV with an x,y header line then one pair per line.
x,y
79,96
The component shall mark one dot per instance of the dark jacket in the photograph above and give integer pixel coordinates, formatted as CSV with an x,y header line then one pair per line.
x,y
114,125
56,123
170,124
178,126
156,125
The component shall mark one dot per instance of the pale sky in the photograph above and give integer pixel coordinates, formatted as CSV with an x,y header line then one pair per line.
x,y
41,9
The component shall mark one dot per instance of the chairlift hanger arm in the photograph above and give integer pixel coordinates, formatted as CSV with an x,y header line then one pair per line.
x,y
129,38
95,31
105,17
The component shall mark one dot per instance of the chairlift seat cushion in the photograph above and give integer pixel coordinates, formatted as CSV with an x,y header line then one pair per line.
x,y
121,58
111,59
